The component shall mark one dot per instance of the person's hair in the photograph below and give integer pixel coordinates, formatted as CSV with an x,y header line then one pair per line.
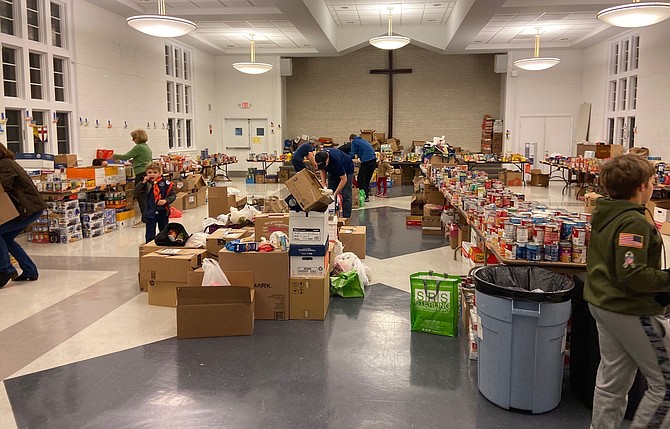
x,y
140,135
97,162
623,175
321,158
352,136
5,153
155,166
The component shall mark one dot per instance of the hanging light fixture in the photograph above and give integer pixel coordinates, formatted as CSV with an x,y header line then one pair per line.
x,y
161,25
635,14
253,67
389,41
537,62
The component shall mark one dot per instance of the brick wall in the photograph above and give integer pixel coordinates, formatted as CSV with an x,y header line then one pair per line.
x,y
444,95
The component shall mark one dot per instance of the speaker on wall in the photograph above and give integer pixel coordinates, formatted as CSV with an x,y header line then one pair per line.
x,y
285,66
500,63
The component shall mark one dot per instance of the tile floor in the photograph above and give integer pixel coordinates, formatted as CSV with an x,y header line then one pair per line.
x,y
81,347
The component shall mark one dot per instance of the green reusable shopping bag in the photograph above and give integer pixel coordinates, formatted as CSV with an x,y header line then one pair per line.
x,y
434,303
347,285
361,198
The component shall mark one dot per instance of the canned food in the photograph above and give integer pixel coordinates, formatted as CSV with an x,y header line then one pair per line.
x,y
579,254
522,234
510,249
520,250
551,252
565,251
534,252
538,233
510,230
579,236
585,217
552,234
566,229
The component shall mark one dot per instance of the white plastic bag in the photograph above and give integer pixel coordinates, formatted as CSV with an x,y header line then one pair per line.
x,y
348,261
213,274
247,213
197,241
233,191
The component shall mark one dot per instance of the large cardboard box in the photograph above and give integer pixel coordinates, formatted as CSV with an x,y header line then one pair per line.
x,y
271,274
310,297
66,159
309,227
97,174
537,178
416,205
661,213
267,223
219,238
164,293
353,239
219,202
581,148
309,260
432,210
306,189
7,208
604,151
215,311
178,203
367,135
511,178
190,201
431,225
434,197
201,197
174,264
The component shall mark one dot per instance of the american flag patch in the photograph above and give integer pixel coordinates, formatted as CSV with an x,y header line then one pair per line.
x,y
630,240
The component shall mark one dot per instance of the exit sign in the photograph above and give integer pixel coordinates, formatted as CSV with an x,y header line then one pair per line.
x,y
245,105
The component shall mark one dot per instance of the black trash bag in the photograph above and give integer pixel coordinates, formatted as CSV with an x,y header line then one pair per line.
x,y
515,282
174,234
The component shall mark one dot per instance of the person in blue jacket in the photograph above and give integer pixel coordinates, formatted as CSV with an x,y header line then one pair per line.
x,y
160,194
368,159
305,150
340,169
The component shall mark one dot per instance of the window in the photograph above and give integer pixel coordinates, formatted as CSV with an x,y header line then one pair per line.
x,y
59,79
179,97
63,132
7,17
622,91
9,72
13,127
40,132
36,92
56,24
33,20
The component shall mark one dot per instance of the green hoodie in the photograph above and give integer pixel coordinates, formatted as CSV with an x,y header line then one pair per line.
x,y
624,260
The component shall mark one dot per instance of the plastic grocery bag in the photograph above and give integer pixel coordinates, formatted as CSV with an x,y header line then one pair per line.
x,y
174,213
347,285
197,241
348,261
213,274
434,303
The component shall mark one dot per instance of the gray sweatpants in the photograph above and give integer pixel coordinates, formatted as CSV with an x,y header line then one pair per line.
x,y
626,344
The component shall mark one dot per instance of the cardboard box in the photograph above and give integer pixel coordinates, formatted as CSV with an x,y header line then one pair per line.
x,y
353,239
306,189
174,266
125,215
511,178
164,292
432,210
661,213
309,227
537,178
7,208
416,205
215,311
590,201
604,151
435,197
332,228
266,224
581,148
367,135
219,238
97,174
201,197
219,202
310,297
68,160
309,260
178,203
190,201
271,274
259,178
431,225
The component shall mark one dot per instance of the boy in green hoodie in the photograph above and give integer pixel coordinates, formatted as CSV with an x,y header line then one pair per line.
x,y
627,292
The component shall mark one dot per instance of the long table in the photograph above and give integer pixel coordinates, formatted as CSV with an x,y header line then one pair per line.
x,y
571,175
474,164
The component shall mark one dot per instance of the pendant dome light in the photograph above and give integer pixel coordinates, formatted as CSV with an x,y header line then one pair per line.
x,y
389,41
161,25
252,67
635,14
537,63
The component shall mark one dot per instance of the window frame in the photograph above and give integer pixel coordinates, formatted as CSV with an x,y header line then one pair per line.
x,y
622,84
180,97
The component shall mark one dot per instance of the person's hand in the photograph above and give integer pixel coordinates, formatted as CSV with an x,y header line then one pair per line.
x,y
161,202
145,179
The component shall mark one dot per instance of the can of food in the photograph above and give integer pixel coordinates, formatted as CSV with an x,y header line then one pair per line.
x,y
520,250
522,234
586,217
552,234
538,233
510,230
510,249
534,252
579,254
565,251
566,229
551,252
579,236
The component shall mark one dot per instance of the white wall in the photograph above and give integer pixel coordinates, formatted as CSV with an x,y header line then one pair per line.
x,y
552,92
121,78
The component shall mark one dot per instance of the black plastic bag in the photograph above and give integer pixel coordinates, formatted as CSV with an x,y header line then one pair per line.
x,y
517,282
174,234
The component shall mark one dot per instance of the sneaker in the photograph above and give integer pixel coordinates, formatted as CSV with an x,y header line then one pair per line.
x,y
367,199
384,196
138,224
379,195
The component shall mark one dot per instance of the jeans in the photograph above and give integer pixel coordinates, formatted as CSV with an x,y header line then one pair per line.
x,y
141,197
160,219
333,182
8,232
365,172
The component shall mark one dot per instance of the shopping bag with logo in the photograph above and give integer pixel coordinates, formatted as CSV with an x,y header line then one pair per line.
x,y
347,285
434,303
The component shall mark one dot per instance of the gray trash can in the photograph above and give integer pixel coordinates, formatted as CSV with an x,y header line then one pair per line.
x,y
521,337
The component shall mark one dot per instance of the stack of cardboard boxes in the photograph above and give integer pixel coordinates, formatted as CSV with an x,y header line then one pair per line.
x,y
191,192
219,201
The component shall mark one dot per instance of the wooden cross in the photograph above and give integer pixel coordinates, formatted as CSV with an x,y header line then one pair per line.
x,y
390,71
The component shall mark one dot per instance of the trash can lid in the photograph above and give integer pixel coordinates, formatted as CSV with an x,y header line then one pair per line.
x,y
523,283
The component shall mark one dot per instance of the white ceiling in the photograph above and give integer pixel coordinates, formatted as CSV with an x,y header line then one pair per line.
x,y
335,27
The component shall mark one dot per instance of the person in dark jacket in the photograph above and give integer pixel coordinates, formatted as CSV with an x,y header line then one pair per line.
x,y
160,194
337,171
29,205
368,159
627,292
305,150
